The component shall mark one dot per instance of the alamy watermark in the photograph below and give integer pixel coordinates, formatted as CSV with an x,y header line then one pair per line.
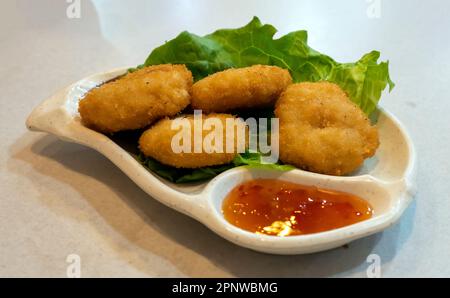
x,y
73,10
236,136
373,9
74,268
374,268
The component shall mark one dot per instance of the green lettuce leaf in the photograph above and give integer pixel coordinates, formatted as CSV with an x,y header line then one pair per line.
x,y
195,175
181,175
253,160
363,80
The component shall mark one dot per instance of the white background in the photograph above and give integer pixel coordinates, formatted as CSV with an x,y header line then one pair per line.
x,y
58,198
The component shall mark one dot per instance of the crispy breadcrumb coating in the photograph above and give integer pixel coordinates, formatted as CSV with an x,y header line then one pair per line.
x,y
257,86
137,99
322,131
156,142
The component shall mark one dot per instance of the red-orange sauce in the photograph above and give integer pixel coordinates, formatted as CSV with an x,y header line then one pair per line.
x,y
280,208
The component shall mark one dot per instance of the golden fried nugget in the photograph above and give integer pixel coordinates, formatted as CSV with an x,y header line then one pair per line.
x,y
160,140
138,98
322,131
257,86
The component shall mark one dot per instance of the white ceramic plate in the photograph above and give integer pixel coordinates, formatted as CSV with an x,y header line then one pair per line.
x,y
385,181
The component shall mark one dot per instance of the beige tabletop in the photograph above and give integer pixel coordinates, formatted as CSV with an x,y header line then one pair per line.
x,y
60,201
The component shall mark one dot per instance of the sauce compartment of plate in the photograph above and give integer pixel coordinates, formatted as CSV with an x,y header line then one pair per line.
x,y
362,186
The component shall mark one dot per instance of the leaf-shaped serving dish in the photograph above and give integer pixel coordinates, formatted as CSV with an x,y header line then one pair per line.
x,y
386,181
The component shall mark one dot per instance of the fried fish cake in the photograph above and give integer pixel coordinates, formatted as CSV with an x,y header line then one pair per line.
x,y
257,86
137,99
164,139
322,131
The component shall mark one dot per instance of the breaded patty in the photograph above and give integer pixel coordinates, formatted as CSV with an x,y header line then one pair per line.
x,y
137,99
157,142
257,86
322,131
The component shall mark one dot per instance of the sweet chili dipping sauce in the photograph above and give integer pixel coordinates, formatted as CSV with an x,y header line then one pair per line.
x,y
280,208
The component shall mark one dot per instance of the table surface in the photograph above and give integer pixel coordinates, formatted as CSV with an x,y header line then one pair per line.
x,y
60,199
